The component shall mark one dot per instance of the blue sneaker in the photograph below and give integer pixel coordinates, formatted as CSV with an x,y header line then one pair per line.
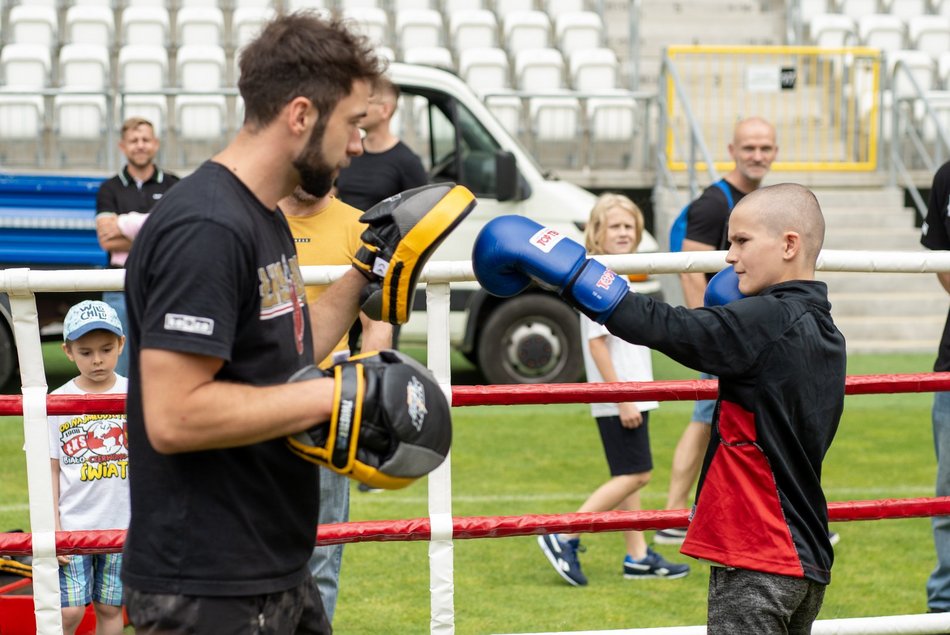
x,y
653,566
669,536
562,554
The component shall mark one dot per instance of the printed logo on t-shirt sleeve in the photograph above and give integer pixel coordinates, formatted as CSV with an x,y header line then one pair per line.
x,y
189,324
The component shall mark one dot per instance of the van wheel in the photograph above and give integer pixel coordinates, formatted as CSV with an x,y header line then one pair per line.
x,y
531,339
7,358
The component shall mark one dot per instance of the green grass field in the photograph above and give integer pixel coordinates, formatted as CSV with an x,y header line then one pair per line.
x,y
510,460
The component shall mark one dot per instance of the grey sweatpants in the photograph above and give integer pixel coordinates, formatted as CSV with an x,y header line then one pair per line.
x,y
743,602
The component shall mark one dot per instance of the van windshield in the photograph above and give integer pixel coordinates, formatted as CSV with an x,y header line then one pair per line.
x,y
452,142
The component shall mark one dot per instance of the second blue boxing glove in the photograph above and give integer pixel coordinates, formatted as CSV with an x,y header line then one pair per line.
x,y
723,288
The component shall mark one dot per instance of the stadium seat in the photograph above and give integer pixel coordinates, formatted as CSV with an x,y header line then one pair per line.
x,y
162,4
297,5
437,56
22,123
612,124
247,22
943,70
907,9
252,4
144,68
503,8
25,66
346,5
78,116
940,105
473,28
526,30
854,9
451,6
84,67
578,31
145,25
555,127
90,3
509,111
593,69
371,22
201,121
33,24
929,33
199,26
418,27
201,69
813,7
89,25
402,5
882,31
831,30
485,69
555,8
921,67
539,70
941,7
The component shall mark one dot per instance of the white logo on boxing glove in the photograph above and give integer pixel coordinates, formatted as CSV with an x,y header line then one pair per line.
x,y
416,402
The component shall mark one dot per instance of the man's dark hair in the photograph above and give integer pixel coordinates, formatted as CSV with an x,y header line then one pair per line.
x,y
303,55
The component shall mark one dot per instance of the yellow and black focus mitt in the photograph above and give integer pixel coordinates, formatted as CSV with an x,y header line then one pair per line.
x,y
404,230
391,422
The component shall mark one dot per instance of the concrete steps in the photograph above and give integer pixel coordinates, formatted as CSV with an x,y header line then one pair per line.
x,y
880,312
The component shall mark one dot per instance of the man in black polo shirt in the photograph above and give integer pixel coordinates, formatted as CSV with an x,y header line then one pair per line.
x,y
123,203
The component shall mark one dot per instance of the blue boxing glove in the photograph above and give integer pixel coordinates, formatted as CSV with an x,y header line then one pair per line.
x,y
723,288
511,252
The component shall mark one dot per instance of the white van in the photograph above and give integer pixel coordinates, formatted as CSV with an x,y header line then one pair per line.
x,y
529,338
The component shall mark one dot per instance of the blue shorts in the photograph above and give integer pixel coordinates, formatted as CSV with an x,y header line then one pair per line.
x,y
85,579
704,409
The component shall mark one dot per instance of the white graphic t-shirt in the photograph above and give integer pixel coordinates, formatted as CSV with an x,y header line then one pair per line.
x,y
632,362
93,456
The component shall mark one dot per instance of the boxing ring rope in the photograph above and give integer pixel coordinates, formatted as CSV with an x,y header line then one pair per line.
x,y
442,528
478,527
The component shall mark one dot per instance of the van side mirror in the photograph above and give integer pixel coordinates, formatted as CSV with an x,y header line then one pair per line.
x,y
506,176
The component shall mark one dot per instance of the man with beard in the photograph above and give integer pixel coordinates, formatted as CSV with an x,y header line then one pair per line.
x,y
327,232
223,517
123,202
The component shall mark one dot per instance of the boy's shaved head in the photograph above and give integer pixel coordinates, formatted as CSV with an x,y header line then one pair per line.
x,y
791,207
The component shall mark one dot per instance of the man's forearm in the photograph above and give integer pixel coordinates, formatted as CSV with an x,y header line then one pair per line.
x,y
694,287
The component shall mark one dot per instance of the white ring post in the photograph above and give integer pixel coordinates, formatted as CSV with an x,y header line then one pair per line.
x,y
441,549
26,331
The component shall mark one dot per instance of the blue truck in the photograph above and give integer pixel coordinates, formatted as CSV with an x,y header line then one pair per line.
x,y
46,222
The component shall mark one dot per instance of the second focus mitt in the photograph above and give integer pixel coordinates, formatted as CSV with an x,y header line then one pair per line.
x,y
390,423
403,231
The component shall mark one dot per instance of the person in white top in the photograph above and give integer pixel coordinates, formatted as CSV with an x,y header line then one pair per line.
x,y
89,459
615,227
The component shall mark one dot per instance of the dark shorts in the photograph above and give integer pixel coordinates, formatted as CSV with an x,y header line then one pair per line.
x,y
298,610
627,449
742,601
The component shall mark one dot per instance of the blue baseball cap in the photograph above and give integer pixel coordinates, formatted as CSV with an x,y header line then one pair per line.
x,y
90,315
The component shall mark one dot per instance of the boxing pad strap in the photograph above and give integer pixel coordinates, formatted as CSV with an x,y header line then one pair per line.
x,y
348,395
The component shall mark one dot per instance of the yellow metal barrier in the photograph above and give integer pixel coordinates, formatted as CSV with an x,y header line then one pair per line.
x,y
824,103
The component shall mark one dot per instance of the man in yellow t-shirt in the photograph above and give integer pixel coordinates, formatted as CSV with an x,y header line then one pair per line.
x,y
327,232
